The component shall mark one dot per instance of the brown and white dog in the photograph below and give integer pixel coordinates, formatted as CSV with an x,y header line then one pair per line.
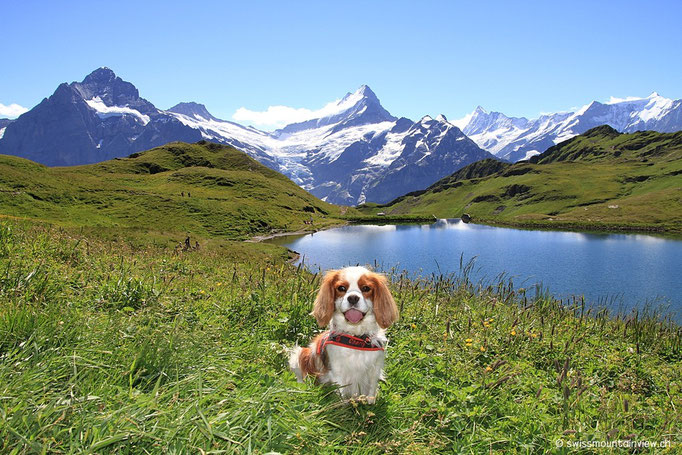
x,y
357,306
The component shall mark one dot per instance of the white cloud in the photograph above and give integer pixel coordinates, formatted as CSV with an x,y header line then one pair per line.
x,y
614,100
461,123
279,116
274,116
11,111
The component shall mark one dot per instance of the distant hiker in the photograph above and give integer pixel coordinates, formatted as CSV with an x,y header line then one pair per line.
x,y
188,245
196,246
182,194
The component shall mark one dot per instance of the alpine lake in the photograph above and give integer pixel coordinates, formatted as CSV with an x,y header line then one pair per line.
x,y
622,272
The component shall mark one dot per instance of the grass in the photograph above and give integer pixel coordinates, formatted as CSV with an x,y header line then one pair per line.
x,y
124,347
205,189
601,180
112,340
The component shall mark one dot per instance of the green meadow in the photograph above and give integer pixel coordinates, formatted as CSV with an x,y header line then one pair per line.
x,y
114,340
206,189
111,348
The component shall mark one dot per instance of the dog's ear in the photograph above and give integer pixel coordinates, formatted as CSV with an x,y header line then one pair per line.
x,y
385,309
323,309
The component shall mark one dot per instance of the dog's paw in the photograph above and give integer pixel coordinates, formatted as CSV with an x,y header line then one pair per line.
x,y
378,341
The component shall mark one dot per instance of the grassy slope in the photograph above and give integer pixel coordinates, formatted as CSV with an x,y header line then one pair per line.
x,y
126,347
232,195
600,179
109,349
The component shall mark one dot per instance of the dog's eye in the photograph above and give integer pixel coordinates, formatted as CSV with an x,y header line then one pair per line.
x,y
365,289
341,288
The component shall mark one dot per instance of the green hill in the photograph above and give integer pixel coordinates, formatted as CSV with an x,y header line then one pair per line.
x,y
205,189
601,179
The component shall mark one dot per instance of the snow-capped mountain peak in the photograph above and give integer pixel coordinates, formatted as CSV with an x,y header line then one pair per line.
x,y
111,90
99,118
352,98
360,107
515,138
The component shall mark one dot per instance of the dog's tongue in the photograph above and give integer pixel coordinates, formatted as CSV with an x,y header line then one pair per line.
x,y
354,316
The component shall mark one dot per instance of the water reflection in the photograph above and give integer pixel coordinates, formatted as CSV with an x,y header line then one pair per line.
x,y
628,268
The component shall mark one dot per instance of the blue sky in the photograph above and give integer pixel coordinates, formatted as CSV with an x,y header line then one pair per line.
x,y
431,57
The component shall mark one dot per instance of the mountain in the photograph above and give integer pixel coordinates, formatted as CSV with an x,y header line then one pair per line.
x,y
518,138
355,152
3,124
599,179
206,189
359,108
431,149
97,119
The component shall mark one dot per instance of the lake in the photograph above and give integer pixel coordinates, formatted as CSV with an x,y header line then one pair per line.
x,y
621,271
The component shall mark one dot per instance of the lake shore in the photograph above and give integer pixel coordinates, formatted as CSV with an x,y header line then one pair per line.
x,y
274,235
575,226
668,231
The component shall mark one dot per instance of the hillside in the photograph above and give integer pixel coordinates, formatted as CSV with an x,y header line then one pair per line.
x,y
205,189
601,179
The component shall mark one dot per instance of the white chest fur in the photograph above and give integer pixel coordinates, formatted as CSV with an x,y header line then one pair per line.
x,y
357,372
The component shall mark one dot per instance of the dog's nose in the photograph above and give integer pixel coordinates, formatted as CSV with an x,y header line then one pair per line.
x,y
353,300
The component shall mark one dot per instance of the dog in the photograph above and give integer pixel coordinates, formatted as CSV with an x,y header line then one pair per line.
x,y
358,307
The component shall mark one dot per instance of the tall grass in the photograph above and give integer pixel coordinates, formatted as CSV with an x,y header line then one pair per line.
x,y
105,348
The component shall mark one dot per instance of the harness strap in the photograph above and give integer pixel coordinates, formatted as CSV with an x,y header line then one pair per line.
x,y
361,343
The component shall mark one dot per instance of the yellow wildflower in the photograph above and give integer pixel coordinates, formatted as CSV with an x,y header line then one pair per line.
x,y
482,349
488,369
414,326
468,340
202,292
513,332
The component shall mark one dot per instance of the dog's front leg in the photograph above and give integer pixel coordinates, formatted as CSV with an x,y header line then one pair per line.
x,y
371,387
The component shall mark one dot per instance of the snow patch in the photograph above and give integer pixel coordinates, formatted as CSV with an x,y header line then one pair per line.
x,y
104,111
530,153
655,108
389,152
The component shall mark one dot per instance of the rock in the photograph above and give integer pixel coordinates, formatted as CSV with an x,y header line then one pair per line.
x,y
466,217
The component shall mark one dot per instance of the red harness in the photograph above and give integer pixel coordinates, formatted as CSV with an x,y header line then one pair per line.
x,y
361,343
